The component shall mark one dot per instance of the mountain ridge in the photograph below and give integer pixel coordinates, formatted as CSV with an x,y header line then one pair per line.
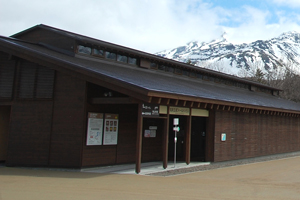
x,y
273,55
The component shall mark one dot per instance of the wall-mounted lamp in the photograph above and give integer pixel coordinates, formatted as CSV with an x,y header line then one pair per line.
x,y
108,94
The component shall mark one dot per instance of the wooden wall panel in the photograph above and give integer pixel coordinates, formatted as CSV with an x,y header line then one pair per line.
x,y
152,149
124,151
68,121
29,136
7,74
252,135
4,130
210,137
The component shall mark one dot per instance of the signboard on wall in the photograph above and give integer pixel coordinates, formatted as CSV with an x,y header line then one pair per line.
x,y
94,129
151,110
179,111
111,125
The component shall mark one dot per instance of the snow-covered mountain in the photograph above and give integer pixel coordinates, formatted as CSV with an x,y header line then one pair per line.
x,y
238,59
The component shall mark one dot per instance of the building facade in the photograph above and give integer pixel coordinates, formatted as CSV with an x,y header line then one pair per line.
x,y
67,100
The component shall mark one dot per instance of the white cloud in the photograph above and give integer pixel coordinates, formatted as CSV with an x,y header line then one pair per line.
x,y
291,3
147,25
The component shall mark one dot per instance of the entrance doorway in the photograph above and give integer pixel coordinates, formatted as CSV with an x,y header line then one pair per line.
x,y
4,129
198,139
181,143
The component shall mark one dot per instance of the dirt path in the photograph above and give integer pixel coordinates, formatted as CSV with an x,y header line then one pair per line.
x,y
277,179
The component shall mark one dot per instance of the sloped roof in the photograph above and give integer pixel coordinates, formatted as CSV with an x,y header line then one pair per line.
x,y
89,40
144,81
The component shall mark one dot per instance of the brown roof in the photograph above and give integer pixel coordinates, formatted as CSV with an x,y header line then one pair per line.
x,y
145,82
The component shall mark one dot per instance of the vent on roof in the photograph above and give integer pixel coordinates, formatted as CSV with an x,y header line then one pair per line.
x,y
145,64
253,88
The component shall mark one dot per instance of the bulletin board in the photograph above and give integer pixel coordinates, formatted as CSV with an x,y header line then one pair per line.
x,y
94,129
111,125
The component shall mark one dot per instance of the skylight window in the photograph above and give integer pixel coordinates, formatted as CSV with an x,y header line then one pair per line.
x,y
84,50
132,61
122,58
98,52
110,55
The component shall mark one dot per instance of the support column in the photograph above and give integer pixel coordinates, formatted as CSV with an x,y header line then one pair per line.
x,y
188,140
138,159
165,142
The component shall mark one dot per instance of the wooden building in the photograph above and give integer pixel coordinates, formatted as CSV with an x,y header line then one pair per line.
x,y
67,100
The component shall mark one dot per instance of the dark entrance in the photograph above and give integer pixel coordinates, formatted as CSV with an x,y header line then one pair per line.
x,y
4,128
180,146
198,138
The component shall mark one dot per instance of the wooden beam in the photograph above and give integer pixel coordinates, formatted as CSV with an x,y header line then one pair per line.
x,y
113,100
168,101
176,103
239,109
192,104
218,107
205,105
139,137
229,108
184,103
159,100
199,105
150,99
188,140
234,109
223,107
166,141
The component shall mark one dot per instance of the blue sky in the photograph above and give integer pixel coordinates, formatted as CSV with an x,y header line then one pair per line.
x,y
156,25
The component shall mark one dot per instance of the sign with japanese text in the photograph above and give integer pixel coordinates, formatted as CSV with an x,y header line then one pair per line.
x,y
111,125
94,129
151,110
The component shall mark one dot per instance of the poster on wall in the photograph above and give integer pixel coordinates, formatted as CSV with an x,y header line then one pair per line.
x,y
94,129
111,125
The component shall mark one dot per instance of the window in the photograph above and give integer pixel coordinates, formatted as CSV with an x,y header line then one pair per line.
x,y
162,67
193,74
98,52
122,58
153,65
132,61
110,55
84,50
185,72
199,76
178,71
170,69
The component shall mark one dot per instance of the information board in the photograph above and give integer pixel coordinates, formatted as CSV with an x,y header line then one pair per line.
x,y
94,129
150,110
111,125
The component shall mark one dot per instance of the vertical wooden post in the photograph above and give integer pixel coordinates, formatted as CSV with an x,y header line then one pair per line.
x,y
138,159
188,140
166,141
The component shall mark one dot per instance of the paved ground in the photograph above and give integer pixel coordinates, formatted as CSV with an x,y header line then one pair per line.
x,y
275,179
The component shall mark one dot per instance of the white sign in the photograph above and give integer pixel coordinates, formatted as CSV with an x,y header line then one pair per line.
x,y
176,121
94,129
176,128
111,125
223,137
